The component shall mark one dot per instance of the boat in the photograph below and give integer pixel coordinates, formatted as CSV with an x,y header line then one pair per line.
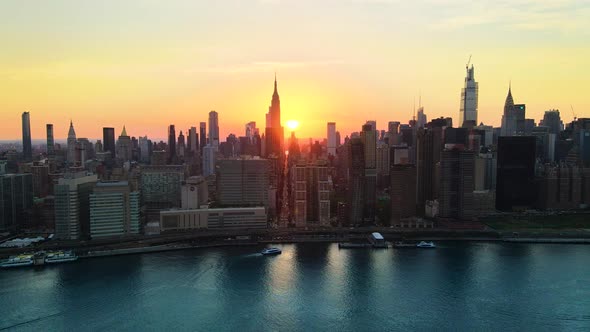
x,y
271,251
60,257
424,244
377,240
20,260
401,244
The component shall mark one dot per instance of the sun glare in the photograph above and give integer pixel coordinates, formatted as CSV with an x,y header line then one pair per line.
x,y
292,124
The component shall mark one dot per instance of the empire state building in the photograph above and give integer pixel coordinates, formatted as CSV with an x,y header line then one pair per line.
x,y
274,132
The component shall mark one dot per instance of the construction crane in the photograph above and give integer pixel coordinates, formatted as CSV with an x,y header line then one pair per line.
x,y
468,62
573,113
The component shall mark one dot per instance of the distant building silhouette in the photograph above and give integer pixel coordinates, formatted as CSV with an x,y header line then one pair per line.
x,y
202,135
171,144
124,147
331,135
71,153
50,141
214,130
108,141
27,146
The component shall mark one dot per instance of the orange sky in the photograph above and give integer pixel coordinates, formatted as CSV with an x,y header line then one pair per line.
x,y
150,64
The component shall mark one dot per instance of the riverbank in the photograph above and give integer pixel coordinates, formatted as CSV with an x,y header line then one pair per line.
x,y
217,238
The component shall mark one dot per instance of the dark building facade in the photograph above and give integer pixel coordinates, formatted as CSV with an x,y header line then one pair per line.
x,y
108,141
171,144
356,189
457,183
50,142
403,192
27,146
429,147
16,200
515,181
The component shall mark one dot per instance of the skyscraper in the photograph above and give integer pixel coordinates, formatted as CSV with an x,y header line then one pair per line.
x,y
509,119
108,140
421,118
515,185
403,192
16,200
356,189
214,129
457,184
124,146
429,146
71,155
332,139
369,139
469,99
520,114
311,192
50,142
180,145
552,119
27,147
171,144
274,131
202,135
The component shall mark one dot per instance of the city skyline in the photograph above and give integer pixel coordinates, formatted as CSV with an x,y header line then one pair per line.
x,y
365,69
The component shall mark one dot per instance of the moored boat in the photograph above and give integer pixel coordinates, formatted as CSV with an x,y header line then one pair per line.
x,y
20,260
60,257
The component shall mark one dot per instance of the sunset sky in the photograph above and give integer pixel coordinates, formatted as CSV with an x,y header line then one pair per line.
x,y
151,63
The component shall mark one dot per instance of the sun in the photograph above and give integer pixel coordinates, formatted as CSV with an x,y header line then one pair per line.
x,y
292,124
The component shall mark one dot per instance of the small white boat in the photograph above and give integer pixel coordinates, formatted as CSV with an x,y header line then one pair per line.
x,y
424,244
271,251
20,260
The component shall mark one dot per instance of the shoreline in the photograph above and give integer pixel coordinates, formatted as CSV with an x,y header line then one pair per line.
x,y
218,238
174,247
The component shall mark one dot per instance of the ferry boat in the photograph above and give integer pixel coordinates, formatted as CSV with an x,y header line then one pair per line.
x,y
271,251
20,260
60,257
424,244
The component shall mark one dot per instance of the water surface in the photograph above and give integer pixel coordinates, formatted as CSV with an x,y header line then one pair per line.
x,y
310,287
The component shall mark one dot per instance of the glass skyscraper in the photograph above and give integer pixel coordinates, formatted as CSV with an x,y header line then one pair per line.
x,y
468,111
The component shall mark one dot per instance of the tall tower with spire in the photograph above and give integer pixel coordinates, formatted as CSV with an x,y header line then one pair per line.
x,y
469,99
509,115
274,131
71,155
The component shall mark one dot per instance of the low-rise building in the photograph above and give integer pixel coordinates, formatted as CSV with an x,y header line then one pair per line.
x,y
221,218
